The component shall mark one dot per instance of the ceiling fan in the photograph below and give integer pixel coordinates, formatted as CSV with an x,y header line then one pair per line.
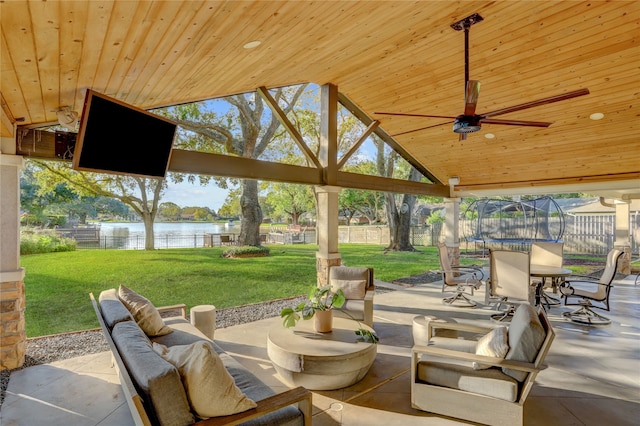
x,y
469,121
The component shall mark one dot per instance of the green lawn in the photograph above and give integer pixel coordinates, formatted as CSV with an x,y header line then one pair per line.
x,y
57,285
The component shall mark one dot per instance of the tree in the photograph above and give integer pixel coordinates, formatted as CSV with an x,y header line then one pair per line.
x,y
399,206
170,211
367,203
292,200
246,131
141,194
231,207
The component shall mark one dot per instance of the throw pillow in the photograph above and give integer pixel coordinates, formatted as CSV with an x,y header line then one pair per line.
x,y
526,335
210,388
143,311
352,289
494,343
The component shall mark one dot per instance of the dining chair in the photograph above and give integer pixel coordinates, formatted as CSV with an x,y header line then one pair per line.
x,y
461,279
545,253
510,281
589,290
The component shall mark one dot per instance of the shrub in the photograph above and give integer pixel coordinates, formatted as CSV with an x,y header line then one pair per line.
x,y
34,240
246,251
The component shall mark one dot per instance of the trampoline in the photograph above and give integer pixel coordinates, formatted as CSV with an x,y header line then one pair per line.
x,y
512,224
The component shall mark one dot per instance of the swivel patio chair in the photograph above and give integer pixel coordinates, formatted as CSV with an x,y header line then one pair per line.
x,y
459,278
547,254
588,290
510,281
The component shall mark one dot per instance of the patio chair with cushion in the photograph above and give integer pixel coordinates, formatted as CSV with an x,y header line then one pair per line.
x,y
358,288
547,254
585,290
485,380
510,281
462,280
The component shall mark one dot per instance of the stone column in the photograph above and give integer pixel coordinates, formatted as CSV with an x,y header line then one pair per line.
x,y
327,195
451,228
327,229
12,298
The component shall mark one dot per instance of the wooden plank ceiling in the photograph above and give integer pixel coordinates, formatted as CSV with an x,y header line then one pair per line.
x,y
396,56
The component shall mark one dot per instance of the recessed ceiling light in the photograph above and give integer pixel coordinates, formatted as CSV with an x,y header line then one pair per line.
x,y
596,116
252,44
489,135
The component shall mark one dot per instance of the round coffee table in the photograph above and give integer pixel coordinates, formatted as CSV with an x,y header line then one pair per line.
x,y
320,361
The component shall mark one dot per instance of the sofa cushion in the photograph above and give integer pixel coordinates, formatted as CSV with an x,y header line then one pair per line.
x,y
183,333
113,310
157,380
143,311
255,389
491,382
493,344
526,335
210,389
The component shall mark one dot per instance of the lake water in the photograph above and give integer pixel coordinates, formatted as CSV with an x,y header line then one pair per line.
x,y
131,236
115,229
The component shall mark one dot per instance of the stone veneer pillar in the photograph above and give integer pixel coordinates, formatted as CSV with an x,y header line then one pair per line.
x,y
12,297
327,228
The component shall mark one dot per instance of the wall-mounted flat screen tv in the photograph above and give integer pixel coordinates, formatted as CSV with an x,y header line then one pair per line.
x,y
114,137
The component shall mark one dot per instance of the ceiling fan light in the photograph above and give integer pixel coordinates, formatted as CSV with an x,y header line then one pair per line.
x,y
466,124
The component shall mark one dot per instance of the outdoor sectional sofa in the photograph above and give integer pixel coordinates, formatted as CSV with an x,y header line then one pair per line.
x,y
160,392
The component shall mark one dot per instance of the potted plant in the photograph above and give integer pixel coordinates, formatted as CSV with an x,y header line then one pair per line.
x,y
319,306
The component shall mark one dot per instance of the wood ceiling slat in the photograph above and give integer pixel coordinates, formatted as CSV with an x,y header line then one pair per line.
x,y
93,41
73,19
198,50
165,54
46,40
142,21
10,84
17,30
120,20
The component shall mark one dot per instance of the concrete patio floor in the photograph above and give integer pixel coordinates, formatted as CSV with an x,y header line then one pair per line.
x,y
593,374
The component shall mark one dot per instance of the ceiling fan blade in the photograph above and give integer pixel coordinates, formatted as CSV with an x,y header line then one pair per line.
x,y
515,122
471,93
539,102
421,128
402,114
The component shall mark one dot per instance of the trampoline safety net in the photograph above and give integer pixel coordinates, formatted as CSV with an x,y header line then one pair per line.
x,y
514,222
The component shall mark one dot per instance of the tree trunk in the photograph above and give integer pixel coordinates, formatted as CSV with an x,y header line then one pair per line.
x,y
400,219
149,237
251,214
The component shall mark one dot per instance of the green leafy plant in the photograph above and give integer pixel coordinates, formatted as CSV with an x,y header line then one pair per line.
x,y
246,251
322,299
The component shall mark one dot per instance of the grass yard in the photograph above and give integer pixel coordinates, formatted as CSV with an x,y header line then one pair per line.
x,y
57,285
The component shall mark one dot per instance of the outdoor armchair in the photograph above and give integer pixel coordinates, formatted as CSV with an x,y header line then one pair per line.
x,y
358,288
458,377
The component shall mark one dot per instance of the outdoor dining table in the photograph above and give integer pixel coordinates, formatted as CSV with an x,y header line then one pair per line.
x,y
544,272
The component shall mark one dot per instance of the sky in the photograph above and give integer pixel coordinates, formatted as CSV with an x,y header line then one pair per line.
x,y
187,194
